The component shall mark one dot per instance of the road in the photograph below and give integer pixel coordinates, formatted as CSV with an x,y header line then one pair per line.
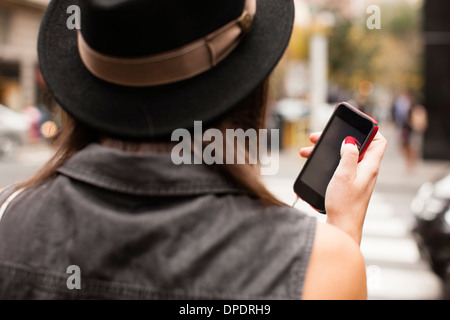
x,y
395,269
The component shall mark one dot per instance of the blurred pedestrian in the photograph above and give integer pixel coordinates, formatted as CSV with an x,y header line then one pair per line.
x,y
402,112
112,206
401,108
418,123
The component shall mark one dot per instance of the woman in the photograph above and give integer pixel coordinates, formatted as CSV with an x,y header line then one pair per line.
x,y
111,204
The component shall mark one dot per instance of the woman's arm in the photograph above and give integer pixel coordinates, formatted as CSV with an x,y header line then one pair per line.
x,y
336,269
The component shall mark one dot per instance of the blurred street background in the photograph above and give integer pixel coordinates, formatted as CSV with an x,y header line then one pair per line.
x,y
389,58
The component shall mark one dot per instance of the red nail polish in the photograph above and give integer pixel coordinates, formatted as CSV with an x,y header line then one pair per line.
x,y
350,140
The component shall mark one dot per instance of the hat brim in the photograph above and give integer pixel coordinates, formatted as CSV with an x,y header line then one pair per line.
x,y
155,112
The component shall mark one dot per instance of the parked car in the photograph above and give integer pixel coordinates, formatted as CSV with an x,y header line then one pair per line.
x,y
431,207
14,130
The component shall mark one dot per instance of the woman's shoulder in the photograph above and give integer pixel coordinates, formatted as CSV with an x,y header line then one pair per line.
x,y
333,263
336,269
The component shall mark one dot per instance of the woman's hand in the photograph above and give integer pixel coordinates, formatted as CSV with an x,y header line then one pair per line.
x,y
349,191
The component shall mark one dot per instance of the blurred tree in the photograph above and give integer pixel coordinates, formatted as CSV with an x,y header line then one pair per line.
x,y
390,57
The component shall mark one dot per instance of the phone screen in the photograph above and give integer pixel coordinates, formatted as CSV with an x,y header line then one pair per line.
x,y
346,121
325,160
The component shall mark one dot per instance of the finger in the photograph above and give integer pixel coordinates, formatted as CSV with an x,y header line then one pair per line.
x,y
375,150
305,152
314,137
370,164
349,159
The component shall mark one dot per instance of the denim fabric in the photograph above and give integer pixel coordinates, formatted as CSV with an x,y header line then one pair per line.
x,y
140,227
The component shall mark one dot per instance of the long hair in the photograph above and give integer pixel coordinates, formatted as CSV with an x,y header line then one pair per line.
x,y
249,114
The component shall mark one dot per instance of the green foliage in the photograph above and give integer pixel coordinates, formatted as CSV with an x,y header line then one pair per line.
x,y
390,57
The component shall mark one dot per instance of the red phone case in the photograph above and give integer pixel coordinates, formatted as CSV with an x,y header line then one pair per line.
x,y
375,130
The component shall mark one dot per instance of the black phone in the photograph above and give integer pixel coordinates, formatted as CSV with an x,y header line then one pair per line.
x,y
346,121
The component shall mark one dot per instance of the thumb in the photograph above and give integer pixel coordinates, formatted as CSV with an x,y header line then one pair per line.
x,y
349,157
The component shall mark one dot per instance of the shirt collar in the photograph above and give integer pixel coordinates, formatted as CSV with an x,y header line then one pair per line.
x,y
143,174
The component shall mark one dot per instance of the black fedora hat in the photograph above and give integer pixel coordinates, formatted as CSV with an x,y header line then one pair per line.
x,y
87,70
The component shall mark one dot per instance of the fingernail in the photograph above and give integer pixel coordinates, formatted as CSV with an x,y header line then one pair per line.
x,y
350,140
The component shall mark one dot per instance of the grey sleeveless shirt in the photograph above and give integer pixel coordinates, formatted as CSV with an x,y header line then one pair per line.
x,y
139,227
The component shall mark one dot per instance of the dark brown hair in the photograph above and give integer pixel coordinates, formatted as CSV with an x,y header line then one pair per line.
x,y
249,114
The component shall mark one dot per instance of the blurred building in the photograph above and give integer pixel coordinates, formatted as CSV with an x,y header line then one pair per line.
x,y
19,75
437,78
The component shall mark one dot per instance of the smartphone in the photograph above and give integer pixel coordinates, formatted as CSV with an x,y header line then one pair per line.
x,y
318,170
